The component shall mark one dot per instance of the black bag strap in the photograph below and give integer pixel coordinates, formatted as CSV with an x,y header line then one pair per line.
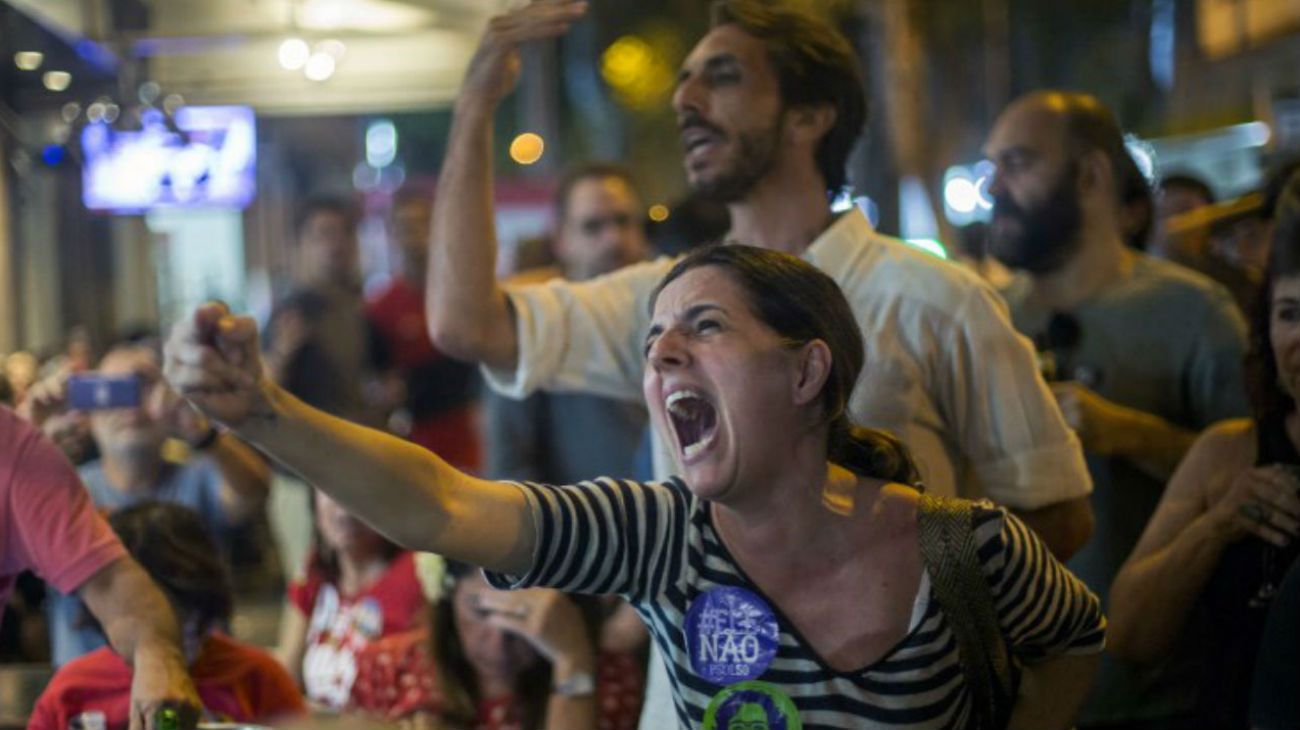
x,y
951,556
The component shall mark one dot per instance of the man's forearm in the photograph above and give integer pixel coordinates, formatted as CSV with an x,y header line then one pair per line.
x,y
468,313
134,613
1153,443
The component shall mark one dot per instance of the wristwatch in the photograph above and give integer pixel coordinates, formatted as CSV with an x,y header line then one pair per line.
x,y
579,684
206,441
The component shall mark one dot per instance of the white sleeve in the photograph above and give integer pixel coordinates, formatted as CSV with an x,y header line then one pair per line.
x,y
1003,415
582,336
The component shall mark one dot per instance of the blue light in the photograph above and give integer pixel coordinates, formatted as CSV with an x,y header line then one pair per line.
x,y
53,154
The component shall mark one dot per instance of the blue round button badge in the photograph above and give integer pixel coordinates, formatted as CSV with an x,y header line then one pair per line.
x,y
731,634
752,706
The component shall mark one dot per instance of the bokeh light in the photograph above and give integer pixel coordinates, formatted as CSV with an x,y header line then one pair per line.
x,y
527,148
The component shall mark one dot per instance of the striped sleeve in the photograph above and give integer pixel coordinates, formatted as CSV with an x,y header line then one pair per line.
x,y
605,536
1043,608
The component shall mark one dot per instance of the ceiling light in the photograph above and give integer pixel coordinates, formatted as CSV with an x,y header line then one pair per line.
x,y
319,67
57,80
29,60
294,53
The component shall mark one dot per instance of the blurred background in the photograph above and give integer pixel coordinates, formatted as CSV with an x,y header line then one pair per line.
x,y
151,151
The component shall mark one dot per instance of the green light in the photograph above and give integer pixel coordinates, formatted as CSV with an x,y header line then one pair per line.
x,y
930,246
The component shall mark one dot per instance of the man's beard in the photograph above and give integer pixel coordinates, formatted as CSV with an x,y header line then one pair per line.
x,y
1049,232
755,158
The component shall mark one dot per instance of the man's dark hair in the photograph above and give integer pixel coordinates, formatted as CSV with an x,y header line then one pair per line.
x,y
1090,125
316,204
815,66
1190,183
599,170
172,544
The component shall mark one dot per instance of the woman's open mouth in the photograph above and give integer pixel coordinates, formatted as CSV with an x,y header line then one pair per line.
x,y
695,421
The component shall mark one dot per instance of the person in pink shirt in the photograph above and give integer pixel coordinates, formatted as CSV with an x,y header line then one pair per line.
x,y
49,526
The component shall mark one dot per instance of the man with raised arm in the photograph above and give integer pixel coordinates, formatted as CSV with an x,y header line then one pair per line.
x,y
769,103
946,370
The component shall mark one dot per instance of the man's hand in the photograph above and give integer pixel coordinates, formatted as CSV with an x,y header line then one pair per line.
x,y
1099,422
1107,428
161,682
212,359
494,69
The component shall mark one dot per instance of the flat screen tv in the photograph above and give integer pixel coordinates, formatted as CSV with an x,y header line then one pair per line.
x,y
208,158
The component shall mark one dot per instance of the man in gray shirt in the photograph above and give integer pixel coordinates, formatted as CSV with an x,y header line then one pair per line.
x,y
1143,353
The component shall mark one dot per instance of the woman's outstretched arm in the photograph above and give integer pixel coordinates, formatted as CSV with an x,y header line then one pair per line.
x,y
410,495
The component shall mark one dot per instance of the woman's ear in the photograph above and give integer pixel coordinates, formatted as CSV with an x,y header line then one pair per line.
x,y
814,369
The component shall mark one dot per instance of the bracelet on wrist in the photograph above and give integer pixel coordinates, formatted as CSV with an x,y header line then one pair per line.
x,y
205,442
575,686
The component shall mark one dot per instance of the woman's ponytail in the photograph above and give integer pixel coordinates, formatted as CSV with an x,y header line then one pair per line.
x,y
871,453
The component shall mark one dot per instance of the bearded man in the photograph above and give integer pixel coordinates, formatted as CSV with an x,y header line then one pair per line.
x,y
1143,353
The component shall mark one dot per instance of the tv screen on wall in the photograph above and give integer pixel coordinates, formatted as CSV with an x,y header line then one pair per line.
x,y
207,158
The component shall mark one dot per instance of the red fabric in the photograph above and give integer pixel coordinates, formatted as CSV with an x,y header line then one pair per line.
x,y
397,314
339,627
395,679
237,683
47,521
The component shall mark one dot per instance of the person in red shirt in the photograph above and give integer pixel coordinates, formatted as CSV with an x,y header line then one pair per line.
x,y
236,682
491,660
358,587
435,397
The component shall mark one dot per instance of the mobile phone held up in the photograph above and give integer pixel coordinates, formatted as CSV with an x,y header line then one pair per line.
x,y
93,391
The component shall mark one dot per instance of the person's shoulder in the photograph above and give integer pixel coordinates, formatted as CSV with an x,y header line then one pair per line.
x,y
871,265
18,437
1180,284
230,655
97,668
1232,441
400,581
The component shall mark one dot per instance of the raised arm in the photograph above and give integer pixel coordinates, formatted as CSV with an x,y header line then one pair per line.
x,y
410,495
468,313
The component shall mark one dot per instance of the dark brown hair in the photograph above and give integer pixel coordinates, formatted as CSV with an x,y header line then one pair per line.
x,y
172,544
458,678
802,304
815,66
1269,401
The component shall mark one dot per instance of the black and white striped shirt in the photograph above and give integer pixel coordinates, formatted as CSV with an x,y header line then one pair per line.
x,y
654,545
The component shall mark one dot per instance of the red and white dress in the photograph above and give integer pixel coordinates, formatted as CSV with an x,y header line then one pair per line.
x,y
341,626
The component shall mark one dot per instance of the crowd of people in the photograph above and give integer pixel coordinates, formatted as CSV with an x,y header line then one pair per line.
x,y
773,470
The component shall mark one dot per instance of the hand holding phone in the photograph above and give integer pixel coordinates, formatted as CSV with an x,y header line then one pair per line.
x,y
95,391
